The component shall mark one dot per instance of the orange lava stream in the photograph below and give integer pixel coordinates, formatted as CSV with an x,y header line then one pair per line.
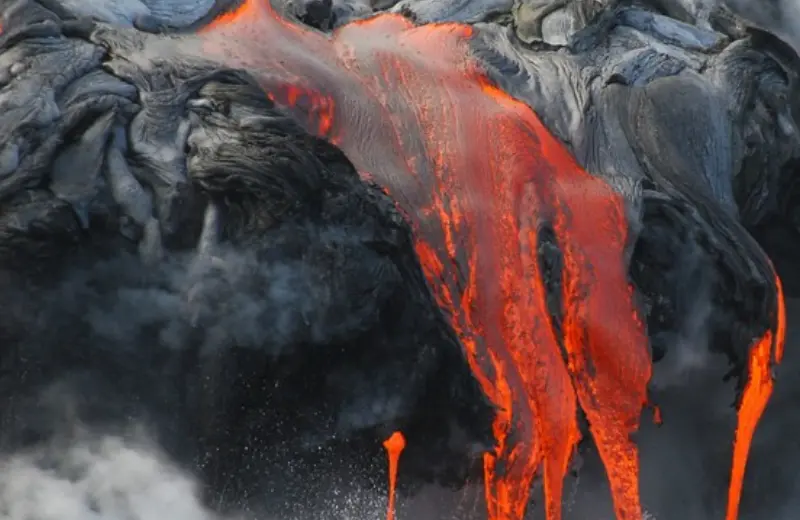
x,y
394,446
478,176
756,394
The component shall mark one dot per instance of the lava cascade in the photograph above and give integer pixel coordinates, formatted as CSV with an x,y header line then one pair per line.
x,y
479,176
765,353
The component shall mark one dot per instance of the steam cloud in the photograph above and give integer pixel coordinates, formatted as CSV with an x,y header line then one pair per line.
x,y
88,446
106,478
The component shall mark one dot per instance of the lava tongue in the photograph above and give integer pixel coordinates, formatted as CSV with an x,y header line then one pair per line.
x,y
394,445
757,392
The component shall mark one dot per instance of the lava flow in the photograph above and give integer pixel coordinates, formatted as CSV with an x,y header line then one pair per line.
x,y
479,177
754,400
394,446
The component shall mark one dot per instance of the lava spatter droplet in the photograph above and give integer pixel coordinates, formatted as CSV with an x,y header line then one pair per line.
x,y
658,420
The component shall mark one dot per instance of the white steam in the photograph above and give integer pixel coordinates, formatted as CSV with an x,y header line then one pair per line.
x,y
110,478
123,478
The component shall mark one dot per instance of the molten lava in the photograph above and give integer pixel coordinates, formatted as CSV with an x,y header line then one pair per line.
x,y
657,419
479,177
394,446
754,399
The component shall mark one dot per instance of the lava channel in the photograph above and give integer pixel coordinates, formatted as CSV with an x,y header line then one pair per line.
x,y
478,176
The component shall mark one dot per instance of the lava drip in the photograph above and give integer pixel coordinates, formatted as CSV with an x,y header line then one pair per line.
x,y
394,446
766,351
478,176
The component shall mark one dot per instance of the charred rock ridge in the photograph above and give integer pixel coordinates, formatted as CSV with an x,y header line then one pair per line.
x,y
169,236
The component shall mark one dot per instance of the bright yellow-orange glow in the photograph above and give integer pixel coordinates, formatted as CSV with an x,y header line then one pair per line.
x,y
394,446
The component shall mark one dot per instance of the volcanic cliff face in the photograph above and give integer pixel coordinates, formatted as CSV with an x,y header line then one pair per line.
x,y
277,235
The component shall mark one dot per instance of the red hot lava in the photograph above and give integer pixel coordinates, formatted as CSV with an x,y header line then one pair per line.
x,y
394,446
478,175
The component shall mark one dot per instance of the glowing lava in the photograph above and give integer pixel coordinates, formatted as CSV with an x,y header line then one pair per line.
x,y
479,177
756,393
394,446
657,419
